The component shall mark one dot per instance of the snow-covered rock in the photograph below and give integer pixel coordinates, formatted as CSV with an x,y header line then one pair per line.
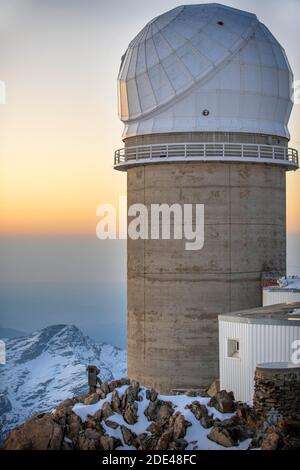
x,y
196,434
163,423
289,282
48,366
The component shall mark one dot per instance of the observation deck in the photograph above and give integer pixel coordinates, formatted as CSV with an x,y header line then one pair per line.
x,y
205,152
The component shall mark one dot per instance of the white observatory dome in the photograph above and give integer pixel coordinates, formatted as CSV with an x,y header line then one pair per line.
x,y
205,68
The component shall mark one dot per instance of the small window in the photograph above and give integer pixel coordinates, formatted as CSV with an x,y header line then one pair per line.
x,y
233,348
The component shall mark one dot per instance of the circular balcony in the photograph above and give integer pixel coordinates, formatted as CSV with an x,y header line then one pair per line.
x,y
205,152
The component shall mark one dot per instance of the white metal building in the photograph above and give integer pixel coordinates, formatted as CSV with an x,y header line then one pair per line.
x,y
288,290
250,337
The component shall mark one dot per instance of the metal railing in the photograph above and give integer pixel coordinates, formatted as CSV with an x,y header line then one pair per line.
x,y
142,154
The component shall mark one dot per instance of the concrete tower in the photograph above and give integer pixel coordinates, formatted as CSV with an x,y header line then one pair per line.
x,y
205,97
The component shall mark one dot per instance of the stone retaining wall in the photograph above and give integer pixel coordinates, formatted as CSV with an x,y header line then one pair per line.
x,y
277,390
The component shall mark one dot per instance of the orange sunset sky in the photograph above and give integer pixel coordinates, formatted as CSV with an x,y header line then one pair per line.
x,y
59,126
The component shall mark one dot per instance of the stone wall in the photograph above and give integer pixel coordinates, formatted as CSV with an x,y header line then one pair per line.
x,y
277,390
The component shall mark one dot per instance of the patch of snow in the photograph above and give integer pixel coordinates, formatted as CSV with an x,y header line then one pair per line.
x,y
196,435
296,311
289,282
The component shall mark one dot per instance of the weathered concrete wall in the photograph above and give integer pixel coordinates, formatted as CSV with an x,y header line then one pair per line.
x,y
174,295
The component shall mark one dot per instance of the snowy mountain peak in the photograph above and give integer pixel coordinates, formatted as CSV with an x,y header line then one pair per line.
x,y
48,366
47,338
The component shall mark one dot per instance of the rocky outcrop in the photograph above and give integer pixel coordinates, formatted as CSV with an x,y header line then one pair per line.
x,y
179,425
151,394
62,429
39,433
159,411
115,401
232,431
167,428
111,424
92,399
130,413
131,395
271,440
221,437
277,433
223,401
214,388
129,437
107,410
109,443
201,413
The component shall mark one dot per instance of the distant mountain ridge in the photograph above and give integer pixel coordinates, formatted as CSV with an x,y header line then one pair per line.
x,y
47,366
10,333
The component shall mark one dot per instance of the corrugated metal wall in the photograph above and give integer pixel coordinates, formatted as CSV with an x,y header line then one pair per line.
x,y
271,297
258,343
